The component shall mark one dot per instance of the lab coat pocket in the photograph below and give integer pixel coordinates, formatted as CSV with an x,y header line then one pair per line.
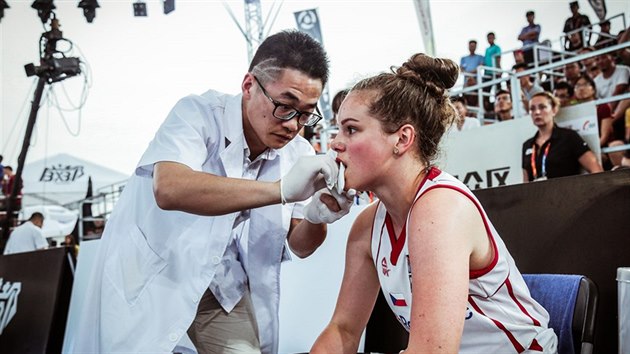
x,y
133,267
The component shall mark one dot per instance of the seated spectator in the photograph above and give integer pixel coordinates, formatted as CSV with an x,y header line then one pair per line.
x,y
28,236
529,36
503,105
613,80
576,21
589,65
463,122
585,90
605,39
564,92
624,54
528,88
572,72
553,151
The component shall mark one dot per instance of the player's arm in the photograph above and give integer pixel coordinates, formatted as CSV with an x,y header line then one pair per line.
x,y
357,295
304,238
443,229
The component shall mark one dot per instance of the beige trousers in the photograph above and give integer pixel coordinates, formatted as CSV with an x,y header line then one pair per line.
x,y
215,331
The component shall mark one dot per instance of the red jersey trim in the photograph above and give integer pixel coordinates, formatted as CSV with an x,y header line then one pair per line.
x,y
519,348
508,284
399,242
473,274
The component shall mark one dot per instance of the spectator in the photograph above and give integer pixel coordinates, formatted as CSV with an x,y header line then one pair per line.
x,y
572,72
503,105
492,59
553,151
577,20
469,63
613,80
7,187
212,209
528,88
564,92
426,223
529,36
28,236
605,39
585,91
1,170
624,54
463,121
589,65
492,56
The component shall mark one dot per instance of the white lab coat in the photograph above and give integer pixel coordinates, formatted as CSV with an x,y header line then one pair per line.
x,y
154,265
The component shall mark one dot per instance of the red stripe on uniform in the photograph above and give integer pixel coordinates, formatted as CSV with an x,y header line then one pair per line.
x,y
535,346
473,274
519,348
508,284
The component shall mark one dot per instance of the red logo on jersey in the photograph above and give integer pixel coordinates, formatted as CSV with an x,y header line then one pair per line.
x,y
385,268
398,299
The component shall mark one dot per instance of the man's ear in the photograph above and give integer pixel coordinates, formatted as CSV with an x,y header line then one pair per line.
x,y
406,137
246,85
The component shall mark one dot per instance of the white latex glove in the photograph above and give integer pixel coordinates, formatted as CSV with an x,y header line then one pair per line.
x,y
308,175
317,212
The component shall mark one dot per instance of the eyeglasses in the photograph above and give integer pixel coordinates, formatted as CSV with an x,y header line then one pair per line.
x,y
286,112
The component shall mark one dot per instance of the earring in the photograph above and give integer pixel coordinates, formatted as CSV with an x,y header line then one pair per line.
x,y
396,150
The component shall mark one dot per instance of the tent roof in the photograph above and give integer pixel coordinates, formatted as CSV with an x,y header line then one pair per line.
x,y
63,179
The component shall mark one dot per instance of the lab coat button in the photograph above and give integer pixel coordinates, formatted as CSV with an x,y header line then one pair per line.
x,y
172,337
216,260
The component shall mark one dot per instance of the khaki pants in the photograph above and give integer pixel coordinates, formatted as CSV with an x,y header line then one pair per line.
x,y
216,331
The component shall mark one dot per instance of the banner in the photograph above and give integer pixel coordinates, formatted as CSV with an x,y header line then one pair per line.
x,y
423,11
308,22
600,8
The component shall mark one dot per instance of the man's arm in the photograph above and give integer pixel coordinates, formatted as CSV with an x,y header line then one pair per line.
x,y
178,187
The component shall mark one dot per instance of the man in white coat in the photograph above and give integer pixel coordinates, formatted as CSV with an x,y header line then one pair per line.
x,y
27,237
195,242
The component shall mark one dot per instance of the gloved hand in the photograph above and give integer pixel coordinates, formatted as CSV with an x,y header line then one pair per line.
x,y
327,206
308,175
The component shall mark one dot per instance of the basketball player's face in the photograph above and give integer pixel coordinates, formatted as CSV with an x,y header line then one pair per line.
x,y
361,144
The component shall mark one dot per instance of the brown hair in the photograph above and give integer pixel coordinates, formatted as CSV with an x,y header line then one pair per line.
x,y
415,93
555,102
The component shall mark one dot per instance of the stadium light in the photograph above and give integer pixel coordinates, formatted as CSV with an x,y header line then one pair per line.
x,y
44,9
169,6
140,9
3,5
89,9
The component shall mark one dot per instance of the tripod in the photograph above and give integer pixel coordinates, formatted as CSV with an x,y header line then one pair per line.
x,y
53,68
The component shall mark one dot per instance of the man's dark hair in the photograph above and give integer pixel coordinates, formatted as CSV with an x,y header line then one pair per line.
x,y
9,168
563,85
291,49
503,92
1,158
530,13
519,66
490,33
36,215
472,41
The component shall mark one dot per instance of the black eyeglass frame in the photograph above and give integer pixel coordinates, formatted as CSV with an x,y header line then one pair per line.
x,y
313,118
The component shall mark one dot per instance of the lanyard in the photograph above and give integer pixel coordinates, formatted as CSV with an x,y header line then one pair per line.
x,y
543,162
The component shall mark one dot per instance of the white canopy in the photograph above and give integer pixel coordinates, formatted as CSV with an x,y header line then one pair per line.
x,y
63,179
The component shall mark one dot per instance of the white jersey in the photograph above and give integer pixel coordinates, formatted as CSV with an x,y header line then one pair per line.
x,y
501,316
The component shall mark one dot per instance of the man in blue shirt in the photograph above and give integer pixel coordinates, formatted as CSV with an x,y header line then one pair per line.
x,y
470,62
529,36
